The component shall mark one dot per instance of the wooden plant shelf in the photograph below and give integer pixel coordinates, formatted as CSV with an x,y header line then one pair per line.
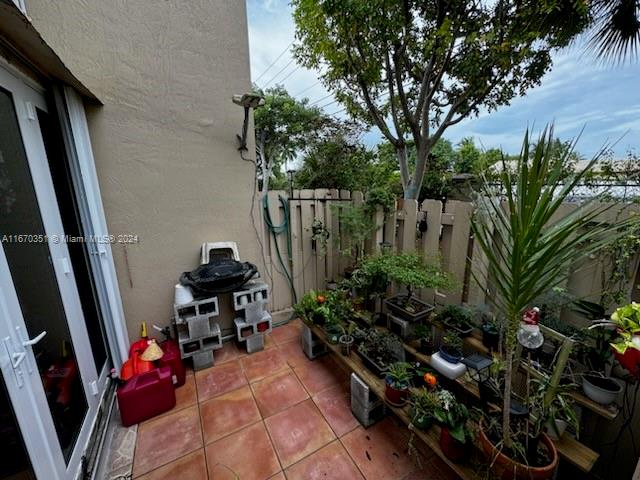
x,y
609,412
430,437
568,447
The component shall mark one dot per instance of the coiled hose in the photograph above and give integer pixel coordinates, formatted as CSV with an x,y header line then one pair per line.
x,y
275,230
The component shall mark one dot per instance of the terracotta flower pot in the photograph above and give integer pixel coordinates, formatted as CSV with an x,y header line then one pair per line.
x,y
508,469
397,397
453,449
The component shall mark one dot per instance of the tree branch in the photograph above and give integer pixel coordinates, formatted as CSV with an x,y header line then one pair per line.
x,y
392,103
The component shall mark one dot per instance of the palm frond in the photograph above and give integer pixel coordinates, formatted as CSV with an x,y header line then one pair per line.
x,y
616,30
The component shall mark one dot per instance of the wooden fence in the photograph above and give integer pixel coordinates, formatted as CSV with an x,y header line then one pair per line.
x,y
447,239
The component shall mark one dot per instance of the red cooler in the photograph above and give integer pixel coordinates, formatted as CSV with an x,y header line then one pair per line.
x,y
146,395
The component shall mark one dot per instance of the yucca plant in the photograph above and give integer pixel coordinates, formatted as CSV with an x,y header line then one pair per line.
x,y
528,248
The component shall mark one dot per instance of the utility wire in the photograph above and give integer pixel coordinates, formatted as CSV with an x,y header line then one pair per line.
x,y
315,102
289,74
279,72
274,62
306,89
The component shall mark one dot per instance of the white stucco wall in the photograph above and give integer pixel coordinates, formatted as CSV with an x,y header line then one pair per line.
x,y
164,141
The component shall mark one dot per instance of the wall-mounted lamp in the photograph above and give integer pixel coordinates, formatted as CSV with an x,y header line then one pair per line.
x,y
247,101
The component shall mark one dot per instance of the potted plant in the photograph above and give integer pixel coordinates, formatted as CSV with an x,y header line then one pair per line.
x,y
457,318
346,339
379,349
312,308
398,376
451,348
490,334
626,345
530,248
423,335
453,417
409,270
600,389
423,405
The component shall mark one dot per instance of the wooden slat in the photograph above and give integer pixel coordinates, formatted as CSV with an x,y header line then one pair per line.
x,y
321,258
409,214
296,243
307,213
457,258
389,230
280,290
333,249
345,259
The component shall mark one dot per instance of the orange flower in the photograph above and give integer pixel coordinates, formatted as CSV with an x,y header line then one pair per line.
x,y
430,379
321,299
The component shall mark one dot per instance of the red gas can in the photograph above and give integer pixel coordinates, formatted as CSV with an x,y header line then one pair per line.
x,y
171,358
146,395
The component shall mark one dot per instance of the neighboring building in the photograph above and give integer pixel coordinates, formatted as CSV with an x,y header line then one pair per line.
x,y
116,119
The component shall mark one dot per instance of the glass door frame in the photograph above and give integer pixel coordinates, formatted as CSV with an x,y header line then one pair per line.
x,y
29,401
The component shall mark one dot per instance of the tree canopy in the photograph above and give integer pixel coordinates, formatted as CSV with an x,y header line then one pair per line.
x,y
414,68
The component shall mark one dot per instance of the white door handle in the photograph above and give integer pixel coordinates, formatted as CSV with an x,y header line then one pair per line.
x,y
31,342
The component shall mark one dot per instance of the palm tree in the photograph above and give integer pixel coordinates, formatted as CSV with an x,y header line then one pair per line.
x,y
528,249
615,29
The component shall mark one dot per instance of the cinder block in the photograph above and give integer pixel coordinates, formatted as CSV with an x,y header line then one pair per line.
x,y
400,327
252,292
255,343
202,360
201,326
362,393
243,329
313,349
307,334
190,346
368,416
207,306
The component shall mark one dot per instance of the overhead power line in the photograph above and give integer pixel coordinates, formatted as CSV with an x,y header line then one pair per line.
x,y
279,72
274,62
308,88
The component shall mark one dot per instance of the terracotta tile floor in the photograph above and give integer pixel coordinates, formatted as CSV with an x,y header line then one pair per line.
x,y
274,415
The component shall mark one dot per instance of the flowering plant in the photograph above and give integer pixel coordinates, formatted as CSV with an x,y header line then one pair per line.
x,y
453,415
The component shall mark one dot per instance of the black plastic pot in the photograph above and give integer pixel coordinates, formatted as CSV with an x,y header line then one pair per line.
x,y
490,337
375,368
392,305
462,331
426,346
346,342
450,356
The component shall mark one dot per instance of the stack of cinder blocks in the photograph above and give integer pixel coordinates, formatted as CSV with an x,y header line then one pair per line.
x,y
312,346
254,321
198,332
365,405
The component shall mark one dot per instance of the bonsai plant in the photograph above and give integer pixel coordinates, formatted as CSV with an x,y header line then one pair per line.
x,y
457,318
453,417
398,377
451,348
423,405
411,271
346,339
490,334
379,349
422,333
528,247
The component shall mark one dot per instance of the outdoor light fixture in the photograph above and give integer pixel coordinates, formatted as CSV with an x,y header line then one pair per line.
x,y
478,367
247,101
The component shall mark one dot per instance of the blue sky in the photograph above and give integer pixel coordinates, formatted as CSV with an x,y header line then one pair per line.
x,y
577,93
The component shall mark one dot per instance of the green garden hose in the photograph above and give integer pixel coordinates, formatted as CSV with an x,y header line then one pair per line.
x,y
276,230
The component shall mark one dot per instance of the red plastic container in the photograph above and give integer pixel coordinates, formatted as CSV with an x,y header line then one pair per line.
x,y
146,395
135,366
171,358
